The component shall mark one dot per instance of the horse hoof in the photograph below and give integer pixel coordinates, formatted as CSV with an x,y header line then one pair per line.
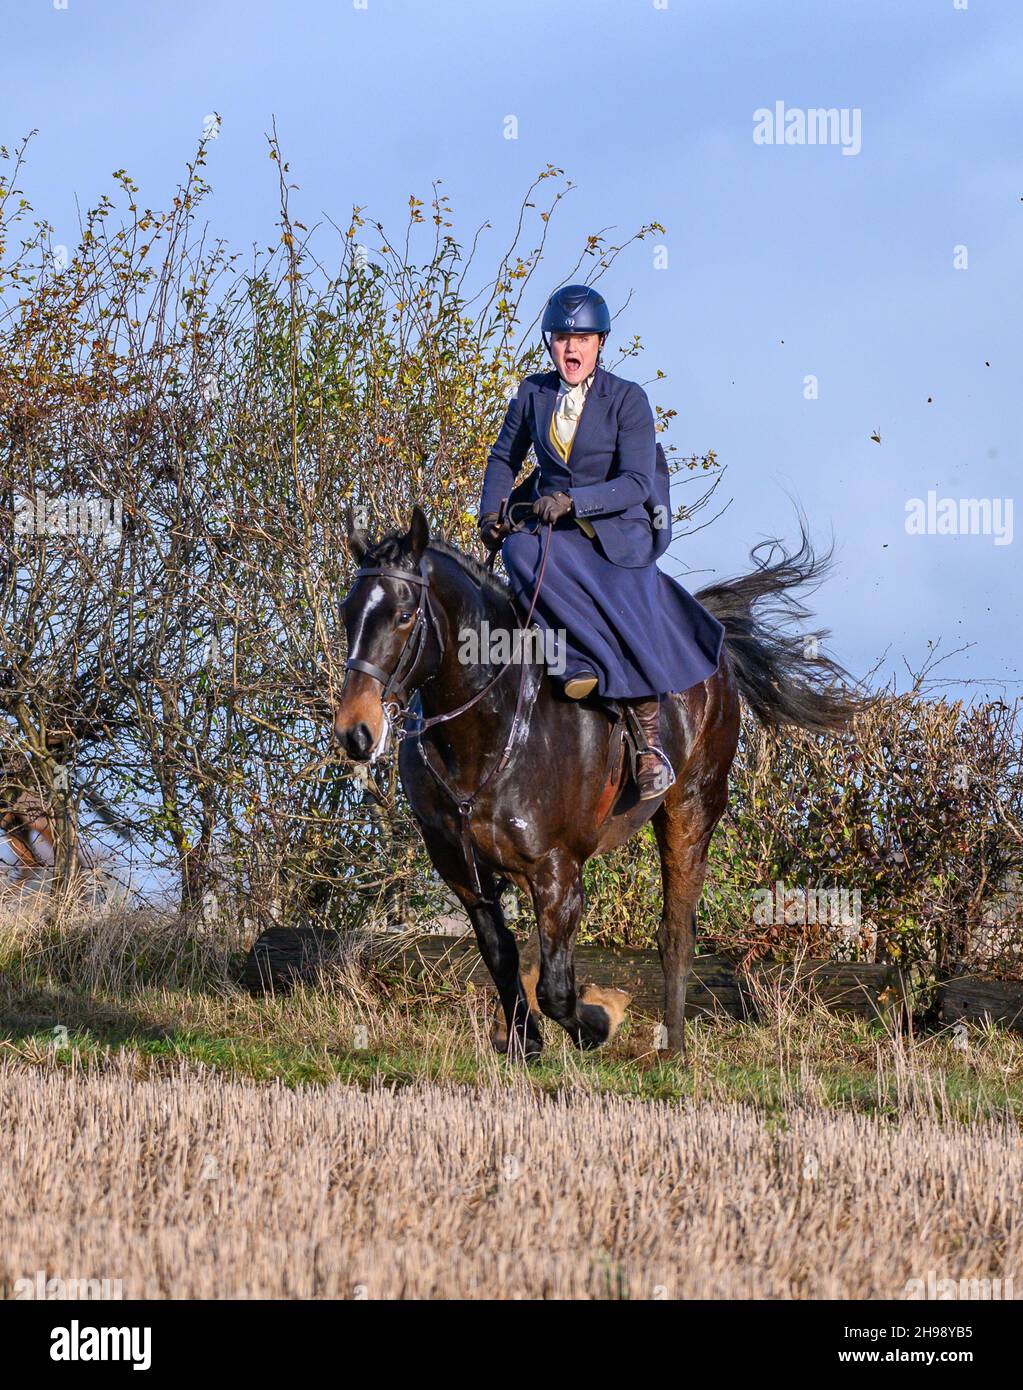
x,y
601,1010
528,1052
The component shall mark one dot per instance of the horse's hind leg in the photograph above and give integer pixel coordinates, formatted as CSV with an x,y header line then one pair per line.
x,y
683,837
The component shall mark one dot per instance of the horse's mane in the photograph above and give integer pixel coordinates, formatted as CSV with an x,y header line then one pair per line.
x,y
475,569
391,549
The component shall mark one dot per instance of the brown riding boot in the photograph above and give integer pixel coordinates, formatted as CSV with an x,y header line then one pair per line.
x,y
654,774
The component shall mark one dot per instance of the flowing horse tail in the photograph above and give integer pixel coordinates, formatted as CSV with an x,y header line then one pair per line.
x,y
783,675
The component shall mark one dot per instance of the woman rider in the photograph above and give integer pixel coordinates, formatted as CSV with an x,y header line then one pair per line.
x,y
624,628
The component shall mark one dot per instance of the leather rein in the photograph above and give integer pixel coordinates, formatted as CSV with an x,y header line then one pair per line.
x,y
395,700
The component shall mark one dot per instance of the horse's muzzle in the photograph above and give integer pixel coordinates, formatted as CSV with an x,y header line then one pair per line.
x,y
356,740
360,725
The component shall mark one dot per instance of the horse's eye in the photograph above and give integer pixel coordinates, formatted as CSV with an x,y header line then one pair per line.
x,y
405,617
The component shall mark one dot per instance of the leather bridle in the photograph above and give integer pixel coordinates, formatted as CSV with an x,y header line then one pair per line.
x,y
396,708
412,647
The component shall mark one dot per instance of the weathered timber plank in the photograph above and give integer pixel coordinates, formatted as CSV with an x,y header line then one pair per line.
x,y
861,988
981,1001
285,956
713,988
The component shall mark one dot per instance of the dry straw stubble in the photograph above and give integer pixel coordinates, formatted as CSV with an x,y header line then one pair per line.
x,y
191,1186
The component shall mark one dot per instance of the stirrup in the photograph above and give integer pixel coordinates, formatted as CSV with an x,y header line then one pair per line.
x,y
666,764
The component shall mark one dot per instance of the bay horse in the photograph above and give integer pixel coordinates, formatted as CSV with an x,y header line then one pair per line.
x,y
536,812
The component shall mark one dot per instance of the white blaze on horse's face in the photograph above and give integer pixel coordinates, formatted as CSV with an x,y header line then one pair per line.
x,y
376,597
380,747
377,634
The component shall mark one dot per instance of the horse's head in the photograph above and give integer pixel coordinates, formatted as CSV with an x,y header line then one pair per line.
x,y
392,642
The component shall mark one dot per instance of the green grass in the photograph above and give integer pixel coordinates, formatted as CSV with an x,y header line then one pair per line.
x,y
311,1038
163,992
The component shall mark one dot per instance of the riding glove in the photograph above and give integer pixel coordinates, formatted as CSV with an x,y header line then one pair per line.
x,y
553,508
491,531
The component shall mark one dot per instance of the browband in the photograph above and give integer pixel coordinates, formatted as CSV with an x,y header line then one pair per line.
x,y
407,575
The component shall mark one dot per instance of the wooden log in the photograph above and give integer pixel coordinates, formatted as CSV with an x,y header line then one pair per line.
x,y
862,988
982,1002
283,957
713,988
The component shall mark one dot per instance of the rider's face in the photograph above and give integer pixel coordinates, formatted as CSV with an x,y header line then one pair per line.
x,y
575,355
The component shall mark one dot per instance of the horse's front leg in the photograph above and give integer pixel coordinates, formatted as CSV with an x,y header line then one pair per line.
x,y
496,941
500,953
590,1016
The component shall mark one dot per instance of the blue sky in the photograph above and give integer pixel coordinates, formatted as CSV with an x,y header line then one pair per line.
x,y
783,261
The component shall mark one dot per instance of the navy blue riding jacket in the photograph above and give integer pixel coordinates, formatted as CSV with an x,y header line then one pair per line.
x,y
616,474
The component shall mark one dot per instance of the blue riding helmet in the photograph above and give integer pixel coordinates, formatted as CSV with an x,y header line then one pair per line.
x,y
575,309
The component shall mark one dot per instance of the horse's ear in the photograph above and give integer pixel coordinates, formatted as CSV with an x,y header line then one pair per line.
x,y
358,540
418,536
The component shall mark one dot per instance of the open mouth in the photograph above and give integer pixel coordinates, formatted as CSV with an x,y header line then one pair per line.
x,y
573,363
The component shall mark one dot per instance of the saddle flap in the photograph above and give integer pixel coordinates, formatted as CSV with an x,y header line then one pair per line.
x,y
614,767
